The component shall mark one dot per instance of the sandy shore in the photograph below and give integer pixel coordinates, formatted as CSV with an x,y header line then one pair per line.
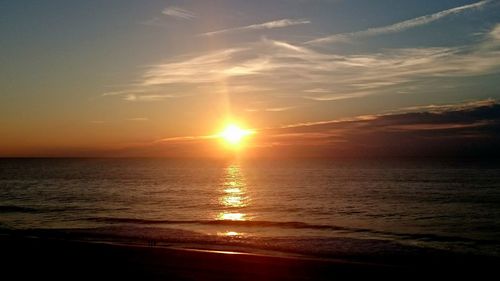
x,y
49,259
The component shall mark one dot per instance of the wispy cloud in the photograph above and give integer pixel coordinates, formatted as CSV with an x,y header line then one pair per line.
x,y
317,90
270,68
146,97
338,96
279,109
441,108
179,13
266,25
271,109
417,114
400,26
121,92
172,12
185,139
138,119
198,69
455,129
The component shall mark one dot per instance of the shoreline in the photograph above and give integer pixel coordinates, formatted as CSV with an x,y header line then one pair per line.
x,y
58,259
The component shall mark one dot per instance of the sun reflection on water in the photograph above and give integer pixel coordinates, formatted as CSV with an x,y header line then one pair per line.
x,y
231,216
234,198
230,234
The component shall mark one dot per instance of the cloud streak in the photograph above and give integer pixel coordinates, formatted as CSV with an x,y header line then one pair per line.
x,y
456,130
266,25
270,68
138,119
178,13
400,26
146,97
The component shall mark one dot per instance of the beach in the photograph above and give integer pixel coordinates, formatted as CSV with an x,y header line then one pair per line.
x,y
57,259
45,258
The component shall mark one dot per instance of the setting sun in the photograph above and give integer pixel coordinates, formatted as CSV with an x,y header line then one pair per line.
x,y
233,134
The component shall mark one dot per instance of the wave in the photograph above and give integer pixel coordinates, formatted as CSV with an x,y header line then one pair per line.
x,y
17,209
424,237
171,237
288,224
323,247
142,232
46,209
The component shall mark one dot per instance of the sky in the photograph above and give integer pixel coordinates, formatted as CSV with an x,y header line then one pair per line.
x,y
311,77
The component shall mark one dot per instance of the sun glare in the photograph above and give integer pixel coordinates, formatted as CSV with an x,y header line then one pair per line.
x,y
234,135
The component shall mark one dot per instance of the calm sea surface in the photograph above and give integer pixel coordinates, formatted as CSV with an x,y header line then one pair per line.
x,y
306,206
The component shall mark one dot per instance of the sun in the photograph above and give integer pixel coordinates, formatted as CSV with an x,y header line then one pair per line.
x,y
234,135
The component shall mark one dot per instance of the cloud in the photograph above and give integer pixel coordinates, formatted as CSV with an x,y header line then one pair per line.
x,y
147,97
185,139
198,69
270,68
433,108
137,94
121,92
495,33
279,109
317,90
271,109
457,130
178,13
139,119
266,25
338,96
400,26
458,112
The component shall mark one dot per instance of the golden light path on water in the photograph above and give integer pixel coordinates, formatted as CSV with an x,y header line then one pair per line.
x,y
233,197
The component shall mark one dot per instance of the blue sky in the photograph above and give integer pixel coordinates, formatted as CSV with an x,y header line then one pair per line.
x,y
107,73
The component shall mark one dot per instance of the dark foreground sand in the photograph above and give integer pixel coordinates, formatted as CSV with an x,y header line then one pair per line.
x,y
49,259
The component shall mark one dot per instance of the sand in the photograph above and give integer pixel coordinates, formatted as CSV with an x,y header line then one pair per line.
x,y
52,259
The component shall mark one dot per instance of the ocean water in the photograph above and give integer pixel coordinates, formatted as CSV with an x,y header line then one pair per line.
x,y
312,207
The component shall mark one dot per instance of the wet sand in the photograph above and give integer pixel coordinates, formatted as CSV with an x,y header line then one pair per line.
x,y
50,259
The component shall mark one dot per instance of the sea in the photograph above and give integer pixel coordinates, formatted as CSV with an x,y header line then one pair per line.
x,y
311,207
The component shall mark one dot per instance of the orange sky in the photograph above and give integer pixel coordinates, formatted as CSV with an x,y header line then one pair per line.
x,y
119,80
